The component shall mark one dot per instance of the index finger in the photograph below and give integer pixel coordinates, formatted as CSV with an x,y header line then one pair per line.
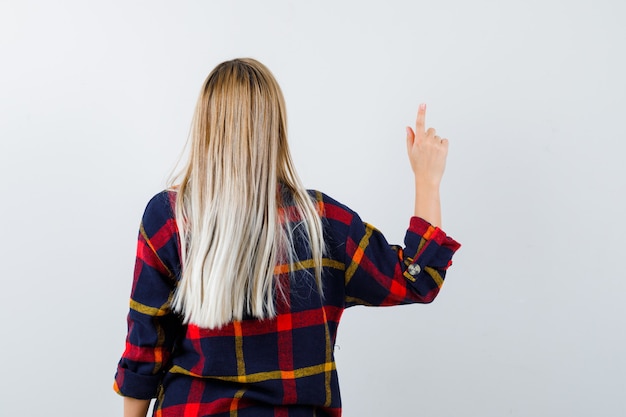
x,y
420,123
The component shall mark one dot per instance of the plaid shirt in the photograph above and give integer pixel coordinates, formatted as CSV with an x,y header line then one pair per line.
x,y
274,367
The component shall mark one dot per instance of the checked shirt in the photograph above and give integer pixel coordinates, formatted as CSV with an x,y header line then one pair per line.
x,y
281,367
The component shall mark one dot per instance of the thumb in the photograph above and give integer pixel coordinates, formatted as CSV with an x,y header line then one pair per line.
x,y
410,139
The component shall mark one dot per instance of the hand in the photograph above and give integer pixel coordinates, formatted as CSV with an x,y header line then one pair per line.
x,y
427,151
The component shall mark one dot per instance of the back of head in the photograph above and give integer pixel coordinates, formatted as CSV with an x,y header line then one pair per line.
x,y
228,203
240,123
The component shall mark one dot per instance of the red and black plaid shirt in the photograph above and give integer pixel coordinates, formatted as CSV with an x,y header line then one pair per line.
x,y
278,367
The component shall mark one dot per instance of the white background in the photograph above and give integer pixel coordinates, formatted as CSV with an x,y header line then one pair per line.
x,y
95,105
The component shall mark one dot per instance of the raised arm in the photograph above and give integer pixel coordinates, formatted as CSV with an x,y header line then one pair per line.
x,y
381,274
427,153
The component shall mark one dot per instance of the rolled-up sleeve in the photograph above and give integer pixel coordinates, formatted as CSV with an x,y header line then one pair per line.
x,y
380,274
152,326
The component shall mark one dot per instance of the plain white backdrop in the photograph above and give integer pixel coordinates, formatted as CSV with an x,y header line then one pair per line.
x,y
95,105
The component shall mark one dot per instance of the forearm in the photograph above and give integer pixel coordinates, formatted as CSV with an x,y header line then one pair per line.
x,y
427,202
134,407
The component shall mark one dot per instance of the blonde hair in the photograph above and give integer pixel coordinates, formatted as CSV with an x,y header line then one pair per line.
x,y
233,231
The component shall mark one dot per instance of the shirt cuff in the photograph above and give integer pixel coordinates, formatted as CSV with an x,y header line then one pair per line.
x,y
424,229
131,384
427,245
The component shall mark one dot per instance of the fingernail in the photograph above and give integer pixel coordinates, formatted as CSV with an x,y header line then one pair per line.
x,y
423,106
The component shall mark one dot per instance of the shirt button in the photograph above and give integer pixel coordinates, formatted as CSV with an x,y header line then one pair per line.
x,y
414,269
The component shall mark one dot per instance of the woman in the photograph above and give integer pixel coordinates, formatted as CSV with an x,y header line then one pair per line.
x,y
242,275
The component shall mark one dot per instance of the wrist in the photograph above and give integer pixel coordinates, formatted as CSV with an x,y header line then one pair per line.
x,y
427,184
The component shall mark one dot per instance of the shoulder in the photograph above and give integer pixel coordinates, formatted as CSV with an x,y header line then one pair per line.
x,y
332,209
162,202
159,211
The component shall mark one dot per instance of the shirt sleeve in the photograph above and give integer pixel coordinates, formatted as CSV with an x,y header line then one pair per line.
x,y
380,274
152,326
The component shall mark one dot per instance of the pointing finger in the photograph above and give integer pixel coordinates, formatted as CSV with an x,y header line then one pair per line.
x,y
420,123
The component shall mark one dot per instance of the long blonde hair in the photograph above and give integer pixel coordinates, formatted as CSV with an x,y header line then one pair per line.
x,y
233,231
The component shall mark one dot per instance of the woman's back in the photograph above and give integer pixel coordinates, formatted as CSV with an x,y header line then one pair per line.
x,y
242,275
262,366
